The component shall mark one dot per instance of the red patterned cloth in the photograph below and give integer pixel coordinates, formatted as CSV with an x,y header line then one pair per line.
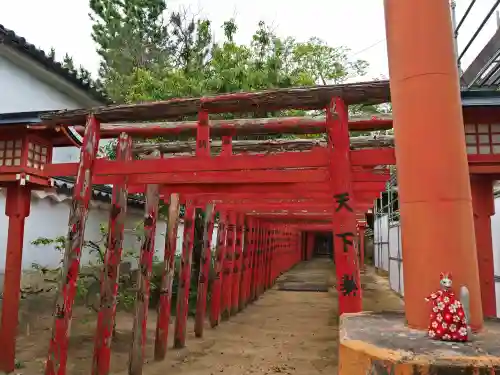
x,y
447,319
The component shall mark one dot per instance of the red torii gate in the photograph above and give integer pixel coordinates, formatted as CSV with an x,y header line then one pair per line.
x,y
325,172
284,176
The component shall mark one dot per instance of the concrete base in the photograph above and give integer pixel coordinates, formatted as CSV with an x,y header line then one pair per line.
x,y
381,344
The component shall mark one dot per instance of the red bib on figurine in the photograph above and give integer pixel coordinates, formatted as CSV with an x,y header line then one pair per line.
x,y
448,319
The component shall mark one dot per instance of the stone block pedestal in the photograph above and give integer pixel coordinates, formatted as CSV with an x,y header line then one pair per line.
x,y
381,344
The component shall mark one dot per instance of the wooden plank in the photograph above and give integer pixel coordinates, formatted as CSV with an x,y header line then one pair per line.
x,y
375,92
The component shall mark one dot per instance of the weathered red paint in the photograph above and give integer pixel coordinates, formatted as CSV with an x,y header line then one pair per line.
x,y
110,271
344,221
139,330
262,247
227,277
17,209
184,278
206,256
58,347
245,264
255,259
237,264
167,279
275,125
220,255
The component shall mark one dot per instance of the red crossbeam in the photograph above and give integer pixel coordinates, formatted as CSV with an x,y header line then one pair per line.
x,y
299,125
316,158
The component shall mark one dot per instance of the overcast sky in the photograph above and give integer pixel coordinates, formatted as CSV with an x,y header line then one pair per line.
x,y
357,24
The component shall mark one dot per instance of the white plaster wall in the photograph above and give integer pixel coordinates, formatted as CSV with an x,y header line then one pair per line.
x,y
50,219
22,92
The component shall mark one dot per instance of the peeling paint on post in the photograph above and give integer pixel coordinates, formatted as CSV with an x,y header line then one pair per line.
x,y
206,256
184,278
255,261
220,254
227,275
167,279
58,347
110,271
245,264
143,287
237,264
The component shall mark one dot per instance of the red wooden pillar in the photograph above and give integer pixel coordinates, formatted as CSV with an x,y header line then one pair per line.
x,y
268,260
283,250
279,253
227,279
287,247
144,287
361,235
260,258
167,279
251,260
484,207
276,255
264,256
58,347
206,257
110,270
271,257
17,209
237,265
245,264
220,255
344,221
184,277
255,262
203,151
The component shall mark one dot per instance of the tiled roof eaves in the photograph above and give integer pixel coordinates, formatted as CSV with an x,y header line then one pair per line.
x,y
101,193
10,38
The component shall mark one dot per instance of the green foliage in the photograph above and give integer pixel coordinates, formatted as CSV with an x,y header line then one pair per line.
x,y
146,56
89,277
88,283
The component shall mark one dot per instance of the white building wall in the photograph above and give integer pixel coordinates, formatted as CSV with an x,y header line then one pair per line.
x,y
22,92
49,219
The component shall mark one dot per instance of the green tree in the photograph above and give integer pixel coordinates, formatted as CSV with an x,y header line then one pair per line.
x,y
326,64
130,34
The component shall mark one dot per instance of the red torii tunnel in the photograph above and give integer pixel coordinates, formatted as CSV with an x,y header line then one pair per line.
x,y
254,248
272,197
327,187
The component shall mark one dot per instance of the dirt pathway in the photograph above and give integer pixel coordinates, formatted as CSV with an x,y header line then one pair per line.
x,y
284,332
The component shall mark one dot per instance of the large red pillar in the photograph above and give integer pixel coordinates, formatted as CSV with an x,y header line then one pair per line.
x,y
484,207
344,218
17,209
433,176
